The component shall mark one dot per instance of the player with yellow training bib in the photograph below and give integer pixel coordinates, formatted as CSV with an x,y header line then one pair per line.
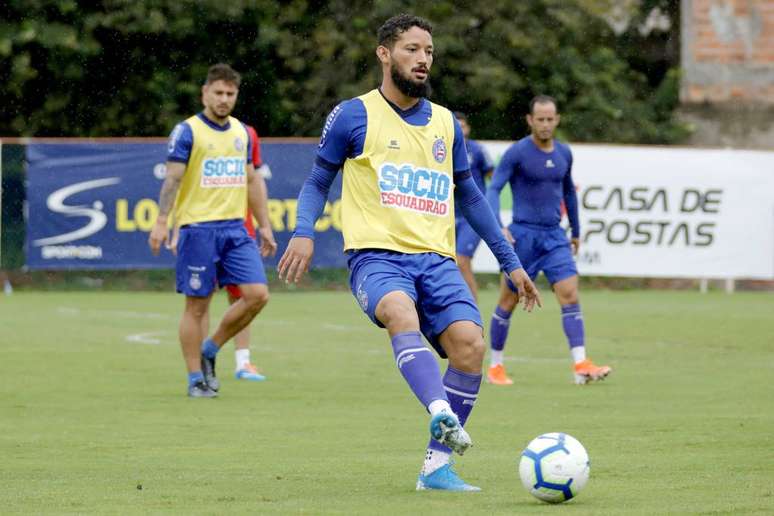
x,y
404,164
209,184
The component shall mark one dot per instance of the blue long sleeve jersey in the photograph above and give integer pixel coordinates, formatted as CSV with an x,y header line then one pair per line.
x,y
539,182
343,138
480,166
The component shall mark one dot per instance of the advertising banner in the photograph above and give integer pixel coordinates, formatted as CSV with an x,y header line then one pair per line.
x,y
91,205
644,211
669,212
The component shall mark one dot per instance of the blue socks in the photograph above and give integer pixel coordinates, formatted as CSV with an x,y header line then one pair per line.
x,y
418,367
498,328
209,348
196,376
462,390
572,323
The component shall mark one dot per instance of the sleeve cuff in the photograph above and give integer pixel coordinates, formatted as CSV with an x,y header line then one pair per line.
x,y
303,233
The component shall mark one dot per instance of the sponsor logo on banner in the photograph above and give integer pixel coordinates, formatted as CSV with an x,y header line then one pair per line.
x,y
223,173
414,188
56,202
654,216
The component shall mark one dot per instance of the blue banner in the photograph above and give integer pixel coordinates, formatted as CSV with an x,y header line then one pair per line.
x,y
91,205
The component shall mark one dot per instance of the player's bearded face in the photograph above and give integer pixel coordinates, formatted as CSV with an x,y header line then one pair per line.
x,y
410,60
409,86
219,98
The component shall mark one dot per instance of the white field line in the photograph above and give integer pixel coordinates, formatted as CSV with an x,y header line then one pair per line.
x,y
126,314
146,338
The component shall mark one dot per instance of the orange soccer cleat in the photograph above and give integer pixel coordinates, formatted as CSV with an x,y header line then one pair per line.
x,y
586,371
497,375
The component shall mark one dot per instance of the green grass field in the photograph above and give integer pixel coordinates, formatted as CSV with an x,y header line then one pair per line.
x,y
94,417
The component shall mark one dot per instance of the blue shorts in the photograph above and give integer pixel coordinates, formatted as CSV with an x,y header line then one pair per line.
x,y
216,253
433,281
546,250
467,238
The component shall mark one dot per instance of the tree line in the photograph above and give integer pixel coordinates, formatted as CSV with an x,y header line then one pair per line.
x,y
135,67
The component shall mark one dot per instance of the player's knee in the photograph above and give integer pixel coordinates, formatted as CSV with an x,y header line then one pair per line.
x,y
197,309
256,298
468,352
396,314
567,297
508,301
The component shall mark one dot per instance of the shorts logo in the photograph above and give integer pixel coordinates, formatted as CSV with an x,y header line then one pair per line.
x,y
439,150
362,299
414,188
195,282
239,145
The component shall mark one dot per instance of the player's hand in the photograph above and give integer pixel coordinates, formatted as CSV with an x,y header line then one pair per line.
x,y
268,244
296,259
508,236
172,244
158,235
575,244
527,290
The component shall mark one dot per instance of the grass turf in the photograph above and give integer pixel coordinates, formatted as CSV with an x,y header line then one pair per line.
x,y
94,418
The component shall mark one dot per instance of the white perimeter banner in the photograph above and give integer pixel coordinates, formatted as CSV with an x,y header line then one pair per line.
x,y
668,212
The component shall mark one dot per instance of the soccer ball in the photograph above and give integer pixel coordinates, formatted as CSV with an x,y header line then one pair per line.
x,y
554,467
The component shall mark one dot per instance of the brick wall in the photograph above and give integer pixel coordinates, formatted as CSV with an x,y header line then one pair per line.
x,y
728,51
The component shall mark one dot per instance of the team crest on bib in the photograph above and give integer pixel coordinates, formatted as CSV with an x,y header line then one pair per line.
x,y
439,150
239,144
195,282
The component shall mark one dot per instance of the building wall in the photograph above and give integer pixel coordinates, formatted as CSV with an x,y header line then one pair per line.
x,y
727,89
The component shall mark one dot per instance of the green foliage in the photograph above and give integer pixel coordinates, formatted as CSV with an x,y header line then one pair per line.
x,y
133,68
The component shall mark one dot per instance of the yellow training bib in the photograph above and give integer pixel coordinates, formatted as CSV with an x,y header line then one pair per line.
x,y
214,186
399,193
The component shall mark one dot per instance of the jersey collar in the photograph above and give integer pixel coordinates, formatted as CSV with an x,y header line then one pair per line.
x,y
212,124
408,112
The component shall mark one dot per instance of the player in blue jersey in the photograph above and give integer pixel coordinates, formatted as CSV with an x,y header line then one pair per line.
x,y
539,171
467,239
404,163
210,183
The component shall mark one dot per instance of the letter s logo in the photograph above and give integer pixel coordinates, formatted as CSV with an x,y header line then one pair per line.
x,y
55,203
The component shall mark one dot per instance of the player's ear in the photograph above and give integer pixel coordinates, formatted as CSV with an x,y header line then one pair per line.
x,y
383,53
558,118
529,119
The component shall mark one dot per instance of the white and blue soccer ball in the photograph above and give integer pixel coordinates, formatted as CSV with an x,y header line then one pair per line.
x,y
554,467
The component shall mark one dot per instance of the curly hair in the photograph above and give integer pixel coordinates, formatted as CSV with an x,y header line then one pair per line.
x,y
391,30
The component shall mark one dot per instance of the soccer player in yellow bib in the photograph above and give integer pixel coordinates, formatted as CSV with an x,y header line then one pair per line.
x,y
210,183
404,162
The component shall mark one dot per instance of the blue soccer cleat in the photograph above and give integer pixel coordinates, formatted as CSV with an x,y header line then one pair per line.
x,y
249,372
444,479
446,429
